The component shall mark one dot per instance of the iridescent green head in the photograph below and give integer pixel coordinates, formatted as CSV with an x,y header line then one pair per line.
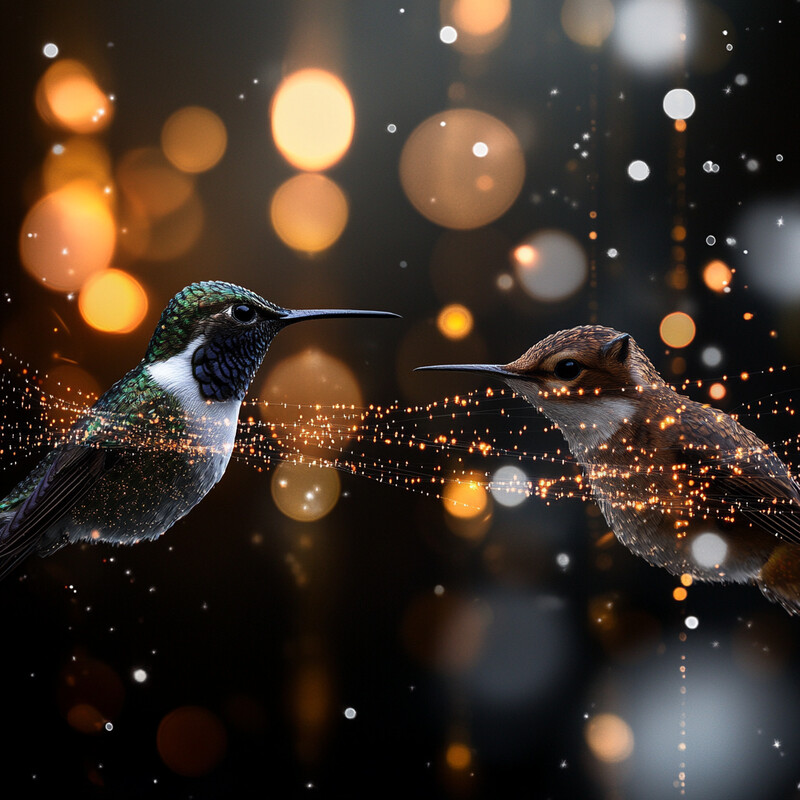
x,y
223,332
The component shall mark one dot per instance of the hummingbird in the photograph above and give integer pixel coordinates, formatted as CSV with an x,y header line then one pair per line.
x,y
161,437
681,484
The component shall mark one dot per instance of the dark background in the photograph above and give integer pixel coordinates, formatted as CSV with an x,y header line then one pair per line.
x,y
214,611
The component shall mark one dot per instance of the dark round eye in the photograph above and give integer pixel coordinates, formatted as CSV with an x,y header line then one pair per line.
x,y
243,313
567,369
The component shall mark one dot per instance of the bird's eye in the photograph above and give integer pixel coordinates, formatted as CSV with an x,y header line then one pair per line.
x,y
567,369
243,313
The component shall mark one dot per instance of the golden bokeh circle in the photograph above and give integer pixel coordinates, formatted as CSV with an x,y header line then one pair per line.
x,y
677,329
113,301
305,492
194,139
462,168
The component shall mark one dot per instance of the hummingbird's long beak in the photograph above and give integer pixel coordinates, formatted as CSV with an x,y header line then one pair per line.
x,y
492,369
301,314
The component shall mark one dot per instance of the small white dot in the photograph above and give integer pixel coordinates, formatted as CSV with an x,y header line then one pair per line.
x,y
50,50
691,622
350,713
711,240
612,252
448,34
480,149
438,590
139,675
638,170
391,127
779,157
109,726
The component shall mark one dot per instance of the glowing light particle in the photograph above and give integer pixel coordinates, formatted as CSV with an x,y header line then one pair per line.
x,y
508,486
50,50
113,301
638,170
609,737
448,34
679,104
709,550
691,622
454,321
677,329
350,713
717,275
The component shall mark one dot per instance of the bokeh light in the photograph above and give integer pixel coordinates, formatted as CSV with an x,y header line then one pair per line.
x,y
112,301
587,22
769,232
80,158
550,265
709,549
717,275
152,185
509,486
67,235
480,25
638,170
308,212
454,321
651,34
677,329
303,492
90,693
444,179
717,391
679,104
311,378
194,139
609,737
458,756
465,497
312,119
191,741
68,97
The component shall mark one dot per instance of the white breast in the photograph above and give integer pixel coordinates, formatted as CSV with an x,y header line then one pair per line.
x,y
212,425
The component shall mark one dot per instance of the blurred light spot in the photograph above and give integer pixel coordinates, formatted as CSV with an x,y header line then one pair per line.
x,y
448,34
90,693
68,96
306,380
509,486
172,235
716,391
678,233
152,184
112,301
677,329
465,497
679,104
458,756
308,212
140,675
312,119
769,231
480,149
79,158
194,139
687,579
481,24
85,718
443,180
650,34
553,265
609,737
717,275
50,50
711,356
709,550
191,741
74,388
679,593
68,235
691,622
638,170
350,713
454,321
587,22
305,493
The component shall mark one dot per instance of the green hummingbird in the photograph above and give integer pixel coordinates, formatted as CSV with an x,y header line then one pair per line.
x,y
160,438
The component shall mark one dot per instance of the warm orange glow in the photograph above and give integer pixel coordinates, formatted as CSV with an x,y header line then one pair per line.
x,y
454,321
680,125
69,97
525,255
677,329
679,593
687,579
191,741
716,391
305,493
462,168
79,158
717,275
481,24
465,497
68,235
112,301
152,186
678,233
194,139
312,119
309,212
609,737
458,756
587,22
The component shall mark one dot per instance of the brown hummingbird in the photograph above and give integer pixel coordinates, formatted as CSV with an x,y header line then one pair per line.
x,y
681,484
